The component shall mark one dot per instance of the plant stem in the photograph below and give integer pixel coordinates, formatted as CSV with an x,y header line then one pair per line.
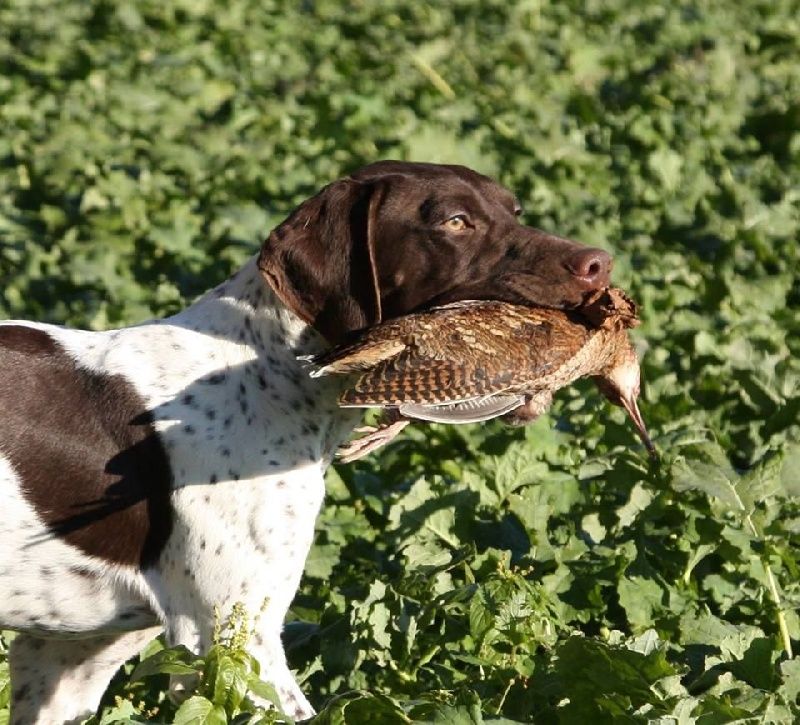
x,y
772,585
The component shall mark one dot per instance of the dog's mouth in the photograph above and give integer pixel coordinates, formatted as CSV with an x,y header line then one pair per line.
x,y
522,288
530,289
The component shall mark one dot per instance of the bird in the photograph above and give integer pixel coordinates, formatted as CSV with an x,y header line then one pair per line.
x,y
475,360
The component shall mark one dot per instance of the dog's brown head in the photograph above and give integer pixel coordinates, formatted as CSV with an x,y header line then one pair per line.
x,y
396,237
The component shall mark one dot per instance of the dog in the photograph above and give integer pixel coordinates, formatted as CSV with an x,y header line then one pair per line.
x,y
152,473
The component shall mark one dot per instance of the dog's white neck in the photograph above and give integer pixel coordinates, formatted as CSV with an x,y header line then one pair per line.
x,y
246,302
244,343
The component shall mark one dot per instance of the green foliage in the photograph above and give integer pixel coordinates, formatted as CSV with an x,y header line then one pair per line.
x,y
214,689
475,574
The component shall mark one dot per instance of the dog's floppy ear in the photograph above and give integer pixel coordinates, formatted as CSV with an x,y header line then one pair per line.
x,y
321,260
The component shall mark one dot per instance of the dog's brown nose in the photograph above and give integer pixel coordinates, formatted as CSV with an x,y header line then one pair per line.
x,y
591,267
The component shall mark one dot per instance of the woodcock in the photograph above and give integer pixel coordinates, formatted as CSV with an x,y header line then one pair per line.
x,y
476,360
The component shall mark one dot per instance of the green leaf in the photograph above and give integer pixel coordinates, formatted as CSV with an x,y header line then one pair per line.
x,y
174,661
198,710
230,684
641,598
712,474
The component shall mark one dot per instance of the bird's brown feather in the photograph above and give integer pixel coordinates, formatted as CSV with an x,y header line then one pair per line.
x,y
477,360
458,353
475,349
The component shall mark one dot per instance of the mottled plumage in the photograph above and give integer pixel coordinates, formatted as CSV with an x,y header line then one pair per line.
x,y
476,360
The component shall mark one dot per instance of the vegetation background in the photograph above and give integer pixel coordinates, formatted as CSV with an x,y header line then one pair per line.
x,y
467,574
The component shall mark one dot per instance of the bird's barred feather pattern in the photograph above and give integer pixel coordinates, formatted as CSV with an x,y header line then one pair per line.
x,y
479,360
460,353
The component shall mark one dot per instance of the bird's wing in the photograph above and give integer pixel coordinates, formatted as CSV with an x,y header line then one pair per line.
x,y
435,334
507,344
359,356
413,378
387,340
405,378
476,410
456,353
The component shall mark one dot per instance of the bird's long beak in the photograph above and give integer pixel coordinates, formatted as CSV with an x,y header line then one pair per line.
x,y
630,404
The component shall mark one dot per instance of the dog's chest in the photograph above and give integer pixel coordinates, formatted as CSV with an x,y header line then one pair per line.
x,y
245,420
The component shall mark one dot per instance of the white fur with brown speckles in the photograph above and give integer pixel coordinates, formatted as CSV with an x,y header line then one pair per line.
x,y
248,435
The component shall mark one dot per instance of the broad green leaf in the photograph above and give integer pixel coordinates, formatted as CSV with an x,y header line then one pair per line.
x,y
175,661
198,710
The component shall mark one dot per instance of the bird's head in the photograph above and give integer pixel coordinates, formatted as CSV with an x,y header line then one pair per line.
x,y
620,383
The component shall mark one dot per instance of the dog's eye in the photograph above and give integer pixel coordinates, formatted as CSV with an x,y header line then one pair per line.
x,y
457,223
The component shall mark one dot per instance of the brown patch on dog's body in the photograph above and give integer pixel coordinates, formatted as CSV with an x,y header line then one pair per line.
x,y
90,462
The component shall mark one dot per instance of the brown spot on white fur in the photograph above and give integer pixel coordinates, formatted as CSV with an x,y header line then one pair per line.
x,y
84,447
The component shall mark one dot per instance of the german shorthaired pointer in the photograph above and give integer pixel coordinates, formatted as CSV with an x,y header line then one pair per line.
x,y
152,473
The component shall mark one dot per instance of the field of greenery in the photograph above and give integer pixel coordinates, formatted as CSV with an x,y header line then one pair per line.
x,y
548,574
